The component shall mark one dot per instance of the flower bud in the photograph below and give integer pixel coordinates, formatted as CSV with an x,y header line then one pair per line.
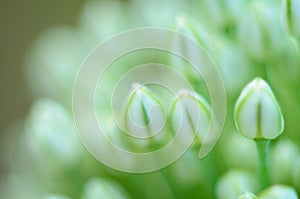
x,y
101,188
292,16
247,195
258,31
234,183
279,192
190,28
52,137
257,114
52,63
144,115
191,114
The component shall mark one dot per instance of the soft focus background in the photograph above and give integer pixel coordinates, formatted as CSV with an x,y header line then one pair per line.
x,y
21,22
42,44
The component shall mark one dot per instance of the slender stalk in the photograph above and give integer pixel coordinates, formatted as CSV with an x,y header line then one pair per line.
x,y
263,152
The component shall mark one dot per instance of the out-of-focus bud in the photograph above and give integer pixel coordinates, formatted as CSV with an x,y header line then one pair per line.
x,y
279,192
52,137
144,115
283,157
157,13
219,14
235,67
55,196
257,114
258,31
101,188
234,183
103,19
191,28
247,195
245,157
292,16
53,61
190,113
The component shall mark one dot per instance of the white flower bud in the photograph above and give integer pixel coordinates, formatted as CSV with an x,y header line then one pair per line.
x,y
191,114
100,188
144,115
247,195
257,114
279,192
234,183
292,16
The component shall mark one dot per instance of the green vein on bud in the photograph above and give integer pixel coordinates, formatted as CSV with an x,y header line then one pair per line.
x,y
144,115
190,113
257,114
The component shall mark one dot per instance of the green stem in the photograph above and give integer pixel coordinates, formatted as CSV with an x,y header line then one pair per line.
x,y
263,152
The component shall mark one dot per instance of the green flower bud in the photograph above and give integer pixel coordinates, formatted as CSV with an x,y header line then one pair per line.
x,y
292,16
144,115
279,192
52,137
191,114
101,188
52,63
191,28
257,114
234,183
258,31
247,195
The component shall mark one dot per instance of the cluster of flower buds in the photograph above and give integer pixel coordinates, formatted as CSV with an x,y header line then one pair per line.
x,y
145,117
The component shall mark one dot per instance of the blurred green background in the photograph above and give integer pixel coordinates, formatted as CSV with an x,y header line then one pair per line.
x,y
21,22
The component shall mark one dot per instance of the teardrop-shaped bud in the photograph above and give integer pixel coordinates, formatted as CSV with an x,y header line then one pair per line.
x,y
257,114
144,116
191,114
